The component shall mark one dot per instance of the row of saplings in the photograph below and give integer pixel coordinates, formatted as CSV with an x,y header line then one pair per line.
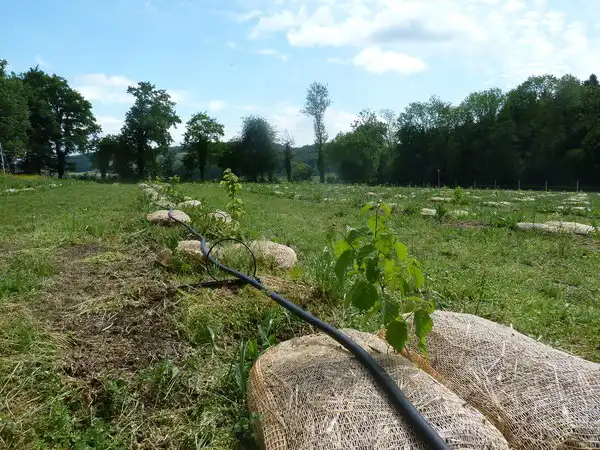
x,y
483,385
281,256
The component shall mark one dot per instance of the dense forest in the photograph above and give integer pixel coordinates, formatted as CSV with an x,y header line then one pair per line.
x,y
547,129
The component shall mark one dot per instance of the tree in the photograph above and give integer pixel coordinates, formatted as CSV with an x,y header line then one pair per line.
x,y
591,81
201,133
317,102
288,141
390,119
358,153
302,171
255,149
62,120
106,148
14,115
167,163
189,165
147,125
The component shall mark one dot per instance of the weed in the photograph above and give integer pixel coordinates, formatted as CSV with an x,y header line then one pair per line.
x,y
24,273
327,284
441,212
458,196
248,352
509,220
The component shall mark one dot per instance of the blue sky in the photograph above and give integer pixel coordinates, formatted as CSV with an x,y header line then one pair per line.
x,y
239,57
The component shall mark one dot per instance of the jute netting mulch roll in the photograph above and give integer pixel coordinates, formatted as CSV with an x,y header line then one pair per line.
x,y
537,396
313,394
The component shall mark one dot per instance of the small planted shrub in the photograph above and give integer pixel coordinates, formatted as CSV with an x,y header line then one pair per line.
x,y
232,184
380,279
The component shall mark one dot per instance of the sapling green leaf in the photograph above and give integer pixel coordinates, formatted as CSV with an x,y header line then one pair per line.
x,y
418,276
396,333
372,271
365,251
343,262
340,247
390,308
368,207
363,295
401,251
423,326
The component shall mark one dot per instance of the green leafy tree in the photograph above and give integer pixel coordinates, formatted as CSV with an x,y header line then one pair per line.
x,y
358,153
168,162
201,135
147,126
380,278
62,120
38,155
189,165
390,139
255,150
302,171
14,115
591,81
106,148
317,102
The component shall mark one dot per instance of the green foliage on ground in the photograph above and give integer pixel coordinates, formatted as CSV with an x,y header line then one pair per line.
x,y
98,349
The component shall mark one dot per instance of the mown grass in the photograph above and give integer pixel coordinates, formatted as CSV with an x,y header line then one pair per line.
x,y
99,349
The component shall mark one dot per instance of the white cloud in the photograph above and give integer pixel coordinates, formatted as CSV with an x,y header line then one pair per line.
x,y
110,124
98,87
247,15
373,59
355,22
272,52
179,96
231,44
40,62
177,133
276,22
506,38
335,60
216,105
112,89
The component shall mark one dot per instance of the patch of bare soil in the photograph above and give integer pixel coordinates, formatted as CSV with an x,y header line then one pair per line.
x,y
113,309
125,341
468,224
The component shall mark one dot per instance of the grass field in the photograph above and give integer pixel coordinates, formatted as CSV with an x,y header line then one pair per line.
x,y
99,349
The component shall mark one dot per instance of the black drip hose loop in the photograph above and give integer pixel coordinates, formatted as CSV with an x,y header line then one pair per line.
x,y
413,417
210,259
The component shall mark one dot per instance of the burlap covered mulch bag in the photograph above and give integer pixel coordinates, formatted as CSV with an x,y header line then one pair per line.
x,y
537,396
313,394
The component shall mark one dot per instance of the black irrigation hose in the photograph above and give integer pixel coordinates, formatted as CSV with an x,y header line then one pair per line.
x,y
422,428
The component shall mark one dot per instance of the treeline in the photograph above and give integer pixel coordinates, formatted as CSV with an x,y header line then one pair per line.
x,y
546,129
43,121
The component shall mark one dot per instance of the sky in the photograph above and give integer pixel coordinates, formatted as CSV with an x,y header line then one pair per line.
x,y
233,58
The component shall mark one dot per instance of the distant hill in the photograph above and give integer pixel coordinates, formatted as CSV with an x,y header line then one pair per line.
x,y
81,163
306,153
